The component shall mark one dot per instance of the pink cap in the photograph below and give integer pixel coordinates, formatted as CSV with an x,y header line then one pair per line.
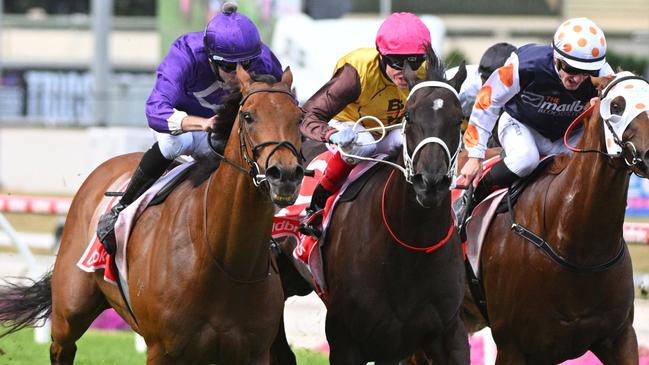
x,y
402,33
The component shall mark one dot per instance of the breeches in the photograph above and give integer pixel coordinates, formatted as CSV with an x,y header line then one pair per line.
x,y
190,143
523,145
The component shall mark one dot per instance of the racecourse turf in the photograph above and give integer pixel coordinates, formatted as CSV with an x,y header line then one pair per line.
x,y
97,348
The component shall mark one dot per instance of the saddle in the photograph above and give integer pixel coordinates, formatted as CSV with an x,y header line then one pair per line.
x,y
515,190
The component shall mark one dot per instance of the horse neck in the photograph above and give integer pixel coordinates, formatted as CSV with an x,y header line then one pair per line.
x,y
238,218
591,196
411,223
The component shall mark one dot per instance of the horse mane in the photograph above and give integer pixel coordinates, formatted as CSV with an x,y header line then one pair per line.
x,y
228,111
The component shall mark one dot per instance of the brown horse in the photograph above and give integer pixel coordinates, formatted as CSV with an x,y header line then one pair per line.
x,y
200,279
545,310
393,261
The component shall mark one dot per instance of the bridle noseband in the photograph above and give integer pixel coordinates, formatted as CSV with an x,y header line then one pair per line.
x,y
258,179
624,145
408,160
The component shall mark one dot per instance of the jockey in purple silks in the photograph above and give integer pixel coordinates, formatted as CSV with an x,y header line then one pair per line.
x,y
193,80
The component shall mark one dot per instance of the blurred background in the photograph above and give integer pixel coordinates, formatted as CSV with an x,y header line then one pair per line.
x,y
74,74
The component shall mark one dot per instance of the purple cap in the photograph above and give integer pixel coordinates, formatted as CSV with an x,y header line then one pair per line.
x,y
231,37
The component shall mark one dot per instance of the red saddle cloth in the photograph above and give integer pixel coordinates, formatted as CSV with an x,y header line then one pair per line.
x,y
95,256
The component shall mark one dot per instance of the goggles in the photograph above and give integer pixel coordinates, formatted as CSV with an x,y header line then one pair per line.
x,y
565,67
398,62
230,67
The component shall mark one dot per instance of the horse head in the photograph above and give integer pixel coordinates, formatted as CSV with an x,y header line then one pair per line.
x,y
624,109
269,134
432,130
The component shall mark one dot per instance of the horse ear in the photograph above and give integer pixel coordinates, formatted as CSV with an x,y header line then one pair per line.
x,y
410,75
459,77
244,77
287,77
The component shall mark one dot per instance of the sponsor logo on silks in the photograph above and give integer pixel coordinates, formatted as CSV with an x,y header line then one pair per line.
x,y
551,105
395,106
284,226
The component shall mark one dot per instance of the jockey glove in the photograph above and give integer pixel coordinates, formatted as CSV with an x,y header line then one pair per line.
x,y
344,137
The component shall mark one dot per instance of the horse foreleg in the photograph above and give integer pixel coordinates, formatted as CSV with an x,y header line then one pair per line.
x,y
280,351
342,347
622,350
451,346
507,356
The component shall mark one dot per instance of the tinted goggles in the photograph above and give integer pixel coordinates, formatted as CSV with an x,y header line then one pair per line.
x,y
230,67
398,62
565,67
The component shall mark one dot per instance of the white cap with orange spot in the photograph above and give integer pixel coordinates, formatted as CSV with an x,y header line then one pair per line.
x,y
581,44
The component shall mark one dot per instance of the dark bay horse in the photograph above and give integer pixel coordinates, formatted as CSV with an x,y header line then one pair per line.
x,y
393,261
201,282
543,310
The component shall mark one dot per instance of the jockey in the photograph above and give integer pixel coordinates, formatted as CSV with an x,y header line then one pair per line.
x,y
193,80
539,90
366,82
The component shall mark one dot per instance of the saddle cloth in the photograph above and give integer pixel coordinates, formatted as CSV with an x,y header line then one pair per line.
x,y
95,256
287,219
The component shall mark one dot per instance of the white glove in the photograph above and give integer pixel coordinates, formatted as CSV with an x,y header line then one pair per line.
x,y
344,137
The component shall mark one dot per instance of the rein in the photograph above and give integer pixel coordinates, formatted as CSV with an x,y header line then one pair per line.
x,y
245,140
428,249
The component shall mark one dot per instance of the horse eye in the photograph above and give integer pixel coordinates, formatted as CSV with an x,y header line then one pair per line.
x,y
247,116
617,107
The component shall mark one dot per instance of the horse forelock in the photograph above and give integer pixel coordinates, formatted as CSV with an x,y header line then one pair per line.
x,y
434,67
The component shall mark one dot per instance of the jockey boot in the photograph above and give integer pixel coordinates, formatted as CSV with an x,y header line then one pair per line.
x,y
152,166
333,178
499,176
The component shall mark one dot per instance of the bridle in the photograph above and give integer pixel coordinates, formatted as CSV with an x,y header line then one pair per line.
x,y
245,141
408,169
624,145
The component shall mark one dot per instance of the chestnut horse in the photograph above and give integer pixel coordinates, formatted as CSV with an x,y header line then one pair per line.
x,y
392,259
545,310
201,282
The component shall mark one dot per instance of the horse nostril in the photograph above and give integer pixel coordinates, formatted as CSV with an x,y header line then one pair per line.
x,y
273,173
290,173
299,173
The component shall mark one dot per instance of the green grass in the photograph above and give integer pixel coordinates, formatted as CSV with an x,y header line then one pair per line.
x,y
97,348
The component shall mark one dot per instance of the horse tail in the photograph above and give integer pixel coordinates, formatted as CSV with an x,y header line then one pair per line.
x,y
22,306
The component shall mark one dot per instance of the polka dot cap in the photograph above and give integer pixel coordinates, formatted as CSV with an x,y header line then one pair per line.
x,y
581,44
